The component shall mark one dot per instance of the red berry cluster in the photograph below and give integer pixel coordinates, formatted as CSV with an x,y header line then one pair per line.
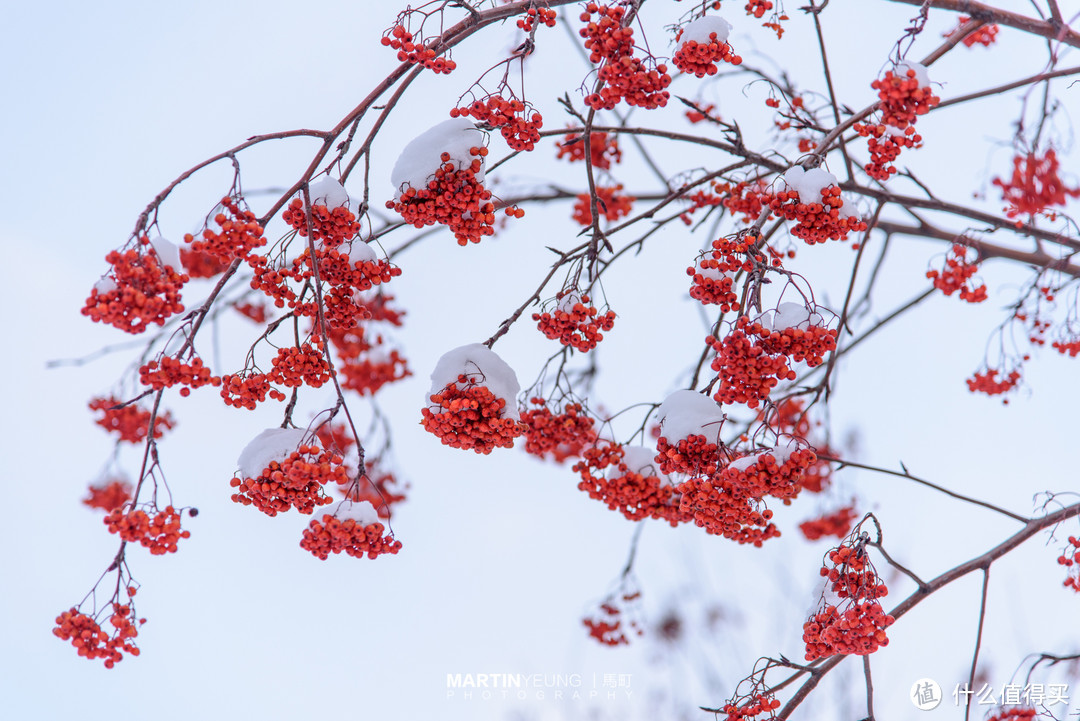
x,y
129,421
754,706
246,389
303,366
332,535
801,345
838,523
696,117
1013,713
560,435
1070,559
578,326
816,222
92,642
170,371
272,281
519,128
987,382
295,482
609,201
201,265
985,36
728,257
454,198
745,199
789,418
770,475
1067,346
138,291
698,200
695,456
240,234
254,311
603,150
160,534
621,76
747,372
956,275
398,38
723,508
902,99
885,147
613,621
365,365
468,415
109,495
535,17
860,628
331,227
1035,186
637,493
700,59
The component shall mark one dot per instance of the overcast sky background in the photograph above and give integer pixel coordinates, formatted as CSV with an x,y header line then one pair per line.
x,y
502,554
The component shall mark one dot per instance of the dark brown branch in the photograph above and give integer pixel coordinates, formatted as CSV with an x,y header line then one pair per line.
x,y
985,12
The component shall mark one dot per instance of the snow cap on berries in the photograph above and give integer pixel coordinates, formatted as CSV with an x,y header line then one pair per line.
x,y
808,183
687,413
483,367
921,74
328,192
167,253
422,157
273,444
699,30
795,315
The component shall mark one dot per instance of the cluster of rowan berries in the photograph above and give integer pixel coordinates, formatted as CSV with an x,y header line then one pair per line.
x,y
777,473
412,50
988,382
700,59
695,116
239,235
603,149
694,455
1035,186
1070,559
168,372
520,128
747,372
838,523
1014,713
885,144
455,198
468,415
535,17
1069,346
201,265
758,707
621,75
723,508
300,366
138,291
860,627
816,222
332,227
713,276
333,535
109,495
576,322
609,201
246,389
858,630
612,622
985,35
560,435
254,311
129,421
367,375
745,199
956,276
294,482
622,482
92,642
160,534
789,418
902,98
698,200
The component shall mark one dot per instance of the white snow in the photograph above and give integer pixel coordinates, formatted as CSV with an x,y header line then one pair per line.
x,y
568,301
362,512
273,444
360,252
484,367
687,413
711,273
781,453
422,157
796,315
741,464
640,460
808,183
700,30
921,74
328,192
105,285
167,253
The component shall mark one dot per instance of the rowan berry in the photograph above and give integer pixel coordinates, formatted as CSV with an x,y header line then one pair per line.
x,y
956,275
129,421
621,76
518,123
159,534
108,495
139,290
1035,186
703,45
88,638
625,478
239,234
603,150
560,435
296,481
575,321
985,35
609,201
357,532
412,50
